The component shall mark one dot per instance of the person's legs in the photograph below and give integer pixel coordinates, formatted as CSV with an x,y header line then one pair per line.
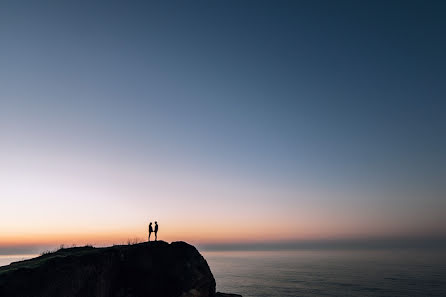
x,y
156,236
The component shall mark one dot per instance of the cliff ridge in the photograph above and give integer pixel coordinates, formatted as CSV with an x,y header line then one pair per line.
x,y
147,269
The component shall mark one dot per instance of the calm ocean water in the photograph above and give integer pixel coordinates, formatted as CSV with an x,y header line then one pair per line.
x,y
330,273
6,259
323,273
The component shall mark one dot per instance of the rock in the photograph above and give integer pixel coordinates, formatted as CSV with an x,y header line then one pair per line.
x,y
155,269
218,294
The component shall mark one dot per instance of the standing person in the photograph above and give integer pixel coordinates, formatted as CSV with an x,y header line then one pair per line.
x,y
156,230
150,230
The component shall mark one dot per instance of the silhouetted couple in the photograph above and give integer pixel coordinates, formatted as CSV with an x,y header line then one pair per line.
x,y
151,230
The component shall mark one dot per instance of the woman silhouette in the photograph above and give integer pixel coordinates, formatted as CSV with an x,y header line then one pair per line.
x,y
150,230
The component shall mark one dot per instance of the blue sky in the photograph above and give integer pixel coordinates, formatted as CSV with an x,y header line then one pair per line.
x,y
309,111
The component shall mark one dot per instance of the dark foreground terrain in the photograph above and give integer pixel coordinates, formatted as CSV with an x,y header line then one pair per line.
x,y
155,269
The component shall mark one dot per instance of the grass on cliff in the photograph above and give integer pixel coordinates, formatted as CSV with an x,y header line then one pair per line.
x,y
45,256
58,253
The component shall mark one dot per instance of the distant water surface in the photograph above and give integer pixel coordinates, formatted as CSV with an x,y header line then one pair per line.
x,y
7,259
330,273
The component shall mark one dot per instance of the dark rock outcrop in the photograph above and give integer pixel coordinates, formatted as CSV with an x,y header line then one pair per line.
x,y
155,269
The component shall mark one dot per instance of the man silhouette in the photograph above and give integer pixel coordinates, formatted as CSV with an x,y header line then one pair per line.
x,y
156,230
150,230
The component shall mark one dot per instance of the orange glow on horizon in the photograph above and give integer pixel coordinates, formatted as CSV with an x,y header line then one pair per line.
x,y
169,233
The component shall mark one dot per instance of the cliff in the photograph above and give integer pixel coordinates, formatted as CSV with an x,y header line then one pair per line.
x,y
155,269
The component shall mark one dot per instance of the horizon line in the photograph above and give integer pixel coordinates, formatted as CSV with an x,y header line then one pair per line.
x,y
431,242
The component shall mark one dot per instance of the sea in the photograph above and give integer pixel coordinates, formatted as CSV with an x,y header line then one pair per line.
x,y
7,259
344,273
312,273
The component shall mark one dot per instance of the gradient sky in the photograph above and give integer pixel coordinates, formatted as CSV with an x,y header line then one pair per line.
x,y
226,121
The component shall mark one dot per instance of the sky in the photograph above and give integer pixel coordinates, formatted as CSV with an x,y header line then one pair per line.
x,y
225,121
